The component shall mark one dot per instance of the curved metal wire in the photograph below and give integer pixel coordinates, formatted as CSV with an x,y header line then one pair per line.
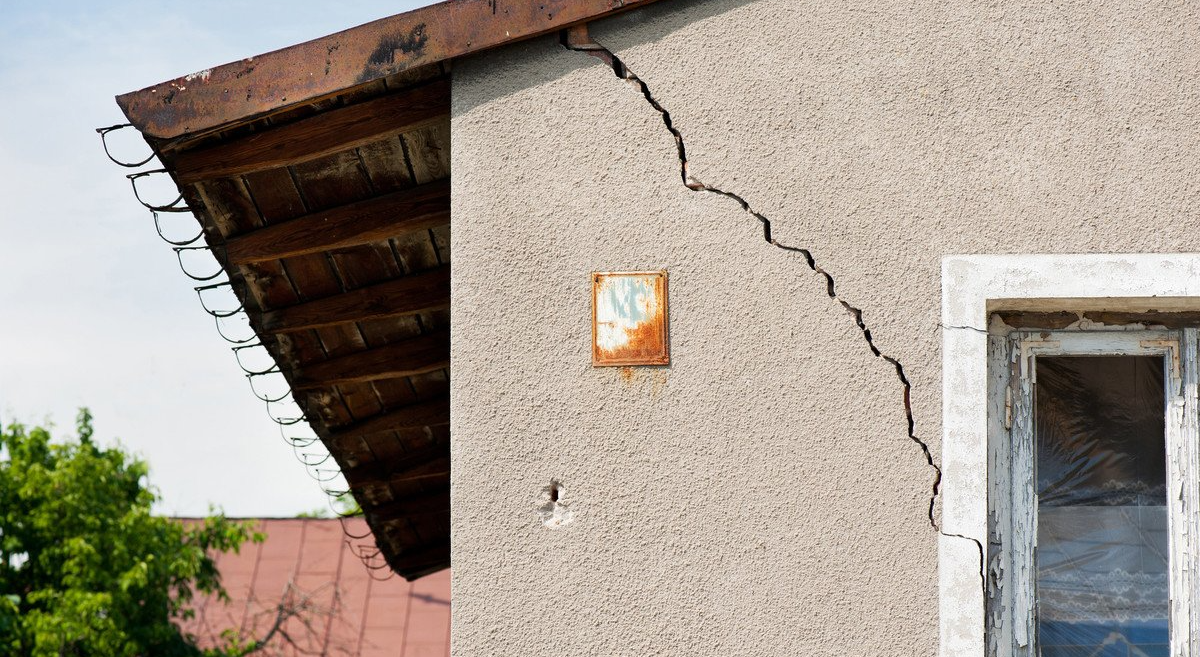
x,y
313,464
228,339
301,443
218,313
391,574
357,513
269,400
309,468
328,479
285,421
371,561
337,513
353,537
104,141
362,551
158,227
238,357
179,256
170,207
313,471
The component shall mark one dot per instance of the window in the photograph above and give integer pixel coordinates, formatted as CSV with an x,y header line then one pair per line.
x,y
1088,553
974,380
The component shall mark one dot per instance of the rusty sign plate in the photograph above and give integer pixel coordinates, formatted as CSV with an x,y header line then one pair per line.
x,y
629,318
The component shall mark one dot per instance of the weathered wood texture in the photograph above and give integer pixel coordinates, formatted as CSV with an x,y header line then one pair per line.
x,y
435,502
373,220
416,463
402,296
431,413
346,62
335,225
428,353
333,131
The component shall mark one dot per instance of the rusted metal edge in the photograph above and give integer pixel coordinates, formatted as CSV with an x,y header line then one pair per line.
x,y
648,342
305,72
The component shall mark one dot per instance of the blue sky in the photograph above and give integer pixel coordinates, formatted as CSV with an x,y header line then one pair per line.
x,y
93,308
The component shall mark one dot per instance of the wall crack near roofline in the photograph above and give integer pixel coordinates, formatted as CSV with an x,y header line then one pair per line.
x,y
571,41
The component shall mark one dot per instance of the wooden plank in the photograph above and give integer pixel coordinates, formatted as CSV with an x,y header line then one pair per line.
x,y
339,180
433,412
363,222
416,461
432,384
416,356
441,241
230,208
428,290
437,501
435,470
230,205
1023,603
1183,522
278,200
386,165
1000,583
325,183
336,130
418,560
429,151
415,572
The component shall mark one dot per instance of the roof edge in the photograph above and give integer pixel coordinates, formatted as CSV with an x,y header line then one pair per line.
x,y
329,65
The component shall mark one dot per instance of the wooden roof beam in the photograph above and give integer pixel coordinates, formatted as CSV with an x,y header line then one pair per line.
x,y
421,355
329,132
432,413
409,295
427,503
418,560
419,463
355,224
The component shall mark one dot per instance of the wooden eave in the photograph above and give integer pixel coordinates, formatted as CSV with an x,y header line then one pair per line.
x,y
320,177
341,257
210,100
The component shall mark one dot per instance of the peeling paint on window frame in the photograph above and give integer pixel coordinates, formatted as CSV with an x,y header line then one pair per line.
x,y
974,287
1012,506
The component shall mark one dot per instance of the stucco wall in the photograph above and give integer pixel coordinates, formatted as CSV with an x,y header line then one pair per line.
x,y
761,495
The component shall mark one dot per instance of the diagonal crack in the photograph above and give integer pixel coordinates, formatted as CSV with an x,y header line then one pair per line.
x,y
696,185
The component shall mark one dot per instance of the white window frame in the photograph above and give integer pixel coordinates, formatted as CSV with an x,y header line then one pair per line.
x,y
1011,619
973,287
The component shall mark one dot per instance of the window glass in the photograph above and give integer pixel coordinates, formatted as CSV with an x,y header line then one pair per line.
x,y
1102,540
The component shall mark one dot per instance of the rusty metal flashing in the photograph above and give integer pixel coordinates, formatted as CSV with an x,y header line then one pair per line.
x,y
256,86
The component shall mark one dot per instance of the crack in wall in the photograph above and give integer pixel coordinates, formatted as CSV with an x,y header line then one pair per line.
x,y
696,185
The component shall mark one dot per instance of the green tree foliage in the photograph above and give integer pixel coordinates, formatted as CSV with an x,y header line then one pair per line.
x,y
85,569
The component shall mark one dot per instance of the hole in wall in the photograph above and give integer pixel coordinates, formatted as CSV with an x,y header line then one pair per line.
x,y
553,508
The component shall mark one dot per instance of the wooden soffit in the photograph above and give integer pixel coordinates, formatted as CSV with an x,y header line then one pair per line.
x,y
320,176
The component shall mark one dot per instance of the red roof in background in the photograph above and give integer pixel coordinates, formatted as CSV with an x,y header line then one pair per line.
x,y
309,575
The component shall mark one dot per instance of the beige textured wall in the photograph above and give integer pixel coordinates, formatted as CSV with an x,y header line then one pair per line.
x,y
761,495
